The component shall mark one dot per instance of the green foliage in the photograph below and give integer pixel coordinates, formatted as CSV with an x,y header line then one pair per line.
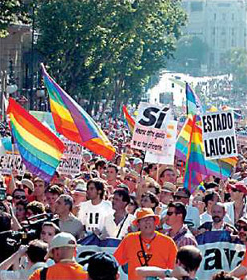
x,y
191,49
11,12
236,64
109,49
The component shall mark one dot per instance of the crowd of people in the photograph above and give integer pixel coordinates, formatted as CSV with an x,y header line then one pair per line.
x,y
142,204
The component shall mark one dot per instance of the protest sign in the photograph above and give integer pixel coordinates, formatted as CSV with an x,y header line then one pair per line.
x,y
219,137
219,252
11,162
167,157
149,133
242,138
71,160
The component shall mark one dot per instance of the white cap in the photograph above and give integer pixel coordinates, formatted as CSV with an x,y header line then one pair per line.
x,y
63,239
137,161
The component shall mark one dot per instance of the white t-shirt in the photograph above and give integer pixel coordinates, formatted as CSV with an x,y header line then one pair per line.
x,y
120,230
96,216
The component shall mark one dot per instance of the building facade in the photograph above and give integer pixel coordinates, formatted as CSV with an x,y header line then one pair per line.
x,y
221,24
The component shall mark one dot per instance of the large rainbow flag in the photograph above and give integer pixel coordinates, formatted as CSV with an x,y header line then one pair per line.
x,y
130,121
40,149
220,168
74,123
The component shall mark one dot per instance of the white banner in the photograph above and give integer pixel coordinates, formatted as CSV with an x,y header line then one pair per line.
x,y
149,133
71,160
219,252
219,135
167,157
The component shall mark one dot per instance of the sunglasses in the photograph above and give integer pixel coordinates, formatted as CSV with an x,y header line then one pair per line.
x,y
170,213
130,180
238,227
20,197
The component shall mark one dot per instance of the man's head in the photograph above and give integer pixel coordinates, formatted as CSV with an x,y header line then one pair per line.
x,y
100,166
63,204
166,193
167,175
18,195
34,208
39,187
241,226
112,171
121,199
52,193
37,251
146,220
152,170
79,194
176,214
62,246
95,189
48,231
107,267
189,257
131,179
218,212
182,195
210,199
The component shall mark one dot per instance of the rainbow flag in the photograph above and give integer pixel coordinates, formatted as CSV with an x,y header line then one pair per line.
x,y
130,121
193,103
40,149
74,123
195,169
220,168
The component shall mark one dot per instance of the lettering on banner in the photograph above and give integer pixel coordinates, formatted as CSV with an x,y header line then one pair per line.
x,y
219,135
157,121
9,163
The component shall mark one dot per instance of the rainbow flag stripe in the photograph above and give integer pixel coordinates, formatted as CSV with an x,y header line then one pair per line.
x,y
74,123
40,149
193,102
130,121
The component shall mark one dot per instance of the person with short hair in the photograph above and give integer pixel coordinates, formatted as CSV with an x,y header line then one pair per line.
x,y
35,251
48,231
106,264
34,208
62,250
100,166
146,247
96,212
39,190
51,194
112,173
67,221
178,231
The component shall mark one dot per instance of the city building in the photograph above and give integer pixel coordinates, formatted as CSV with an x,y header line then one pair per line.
x,y
221,24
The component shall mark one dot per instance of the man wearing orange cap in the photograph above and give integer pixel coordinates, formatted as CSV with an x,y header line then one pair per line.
x,y
146,247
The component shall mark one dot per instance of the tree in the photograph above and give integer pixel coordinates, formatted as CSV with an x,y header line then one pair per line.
x,y
191,52
109,49
236,64
11,11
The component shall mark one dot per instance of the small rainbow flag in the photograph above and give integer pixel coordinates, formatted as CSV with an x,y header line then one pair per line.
x,y
74,123
130,121
40,149
193,102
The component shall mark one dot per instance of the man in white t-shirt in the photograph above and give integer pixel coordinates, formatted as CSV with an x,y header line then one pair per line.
x,y
96,212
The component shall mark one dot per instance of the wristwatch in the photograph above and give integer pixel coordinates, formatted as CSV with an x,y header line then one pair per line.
x,y
168,273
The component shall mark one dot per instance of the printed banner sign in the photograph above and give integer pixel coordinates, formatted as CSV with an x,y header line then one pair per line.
x,y
149,133
169,147
219,135
219,253
71,160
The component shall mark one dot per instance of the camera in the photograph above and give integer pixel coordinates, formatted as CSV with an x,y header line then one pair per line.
x,y
2,193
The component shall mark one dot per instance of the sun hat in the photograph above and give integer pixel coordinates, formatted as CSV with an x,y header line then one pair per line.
x,y
168,187
144,213
28,183
137,161
239,187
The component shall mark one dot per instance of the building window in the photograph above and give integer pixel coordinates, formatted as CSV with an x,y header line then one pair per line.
x,y
233,31
213,31
233,43
224,16
232,16
196,6
214,16
223,31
